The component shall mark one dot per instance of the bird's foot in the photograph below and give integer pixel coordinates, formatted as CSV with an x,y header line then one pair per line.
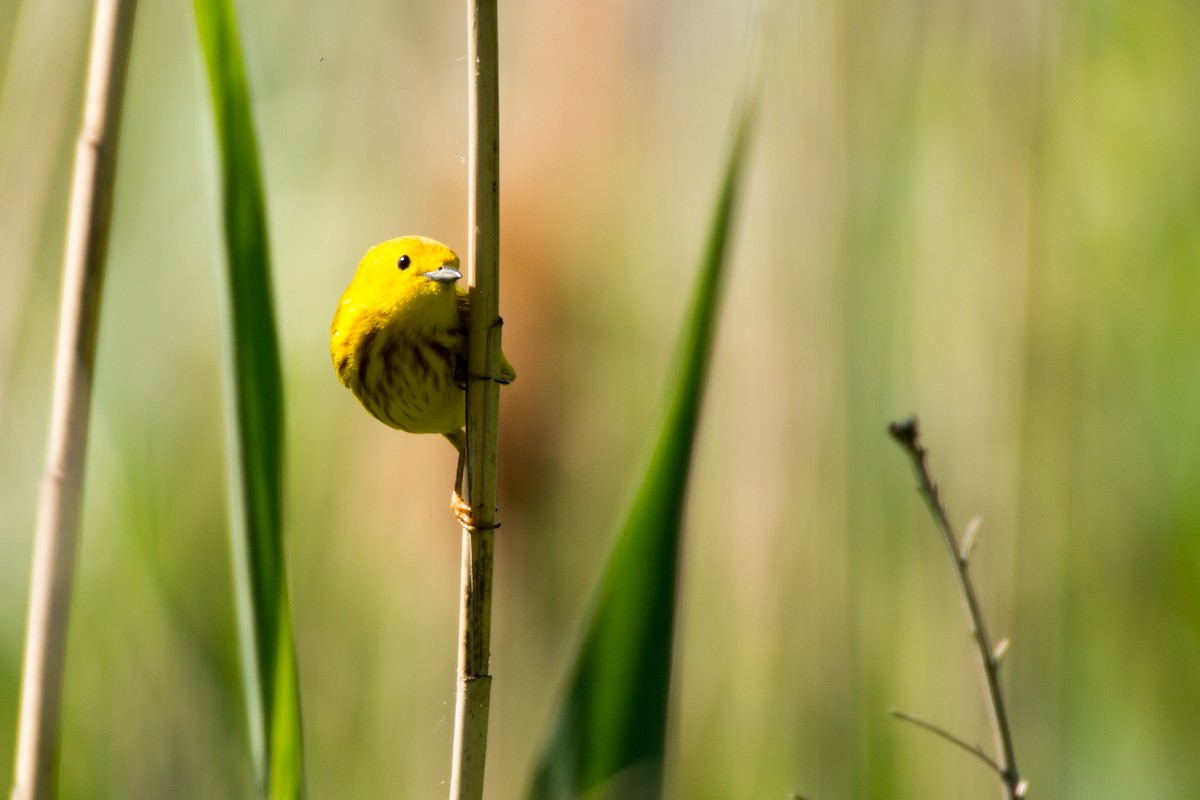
x,y
500,379
461,510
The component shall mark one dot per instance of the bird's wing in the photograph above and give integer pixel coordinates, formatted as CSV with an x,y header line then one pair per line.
x,y
507,373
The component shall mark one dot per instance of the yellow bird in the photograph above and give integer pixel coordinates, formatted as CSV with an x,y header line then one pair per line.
x,y
399,342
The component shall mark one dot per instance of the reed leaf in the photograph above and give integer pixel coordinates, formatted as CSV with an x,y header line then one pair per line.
x,y
255,406
609,736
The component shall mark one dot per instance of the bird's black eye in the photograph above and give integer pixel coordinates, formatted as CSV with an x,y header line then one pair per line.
x,y
403,262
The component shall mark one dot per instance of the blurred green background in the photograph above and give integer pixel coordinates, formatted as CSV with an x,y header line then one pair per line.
x,y
985,213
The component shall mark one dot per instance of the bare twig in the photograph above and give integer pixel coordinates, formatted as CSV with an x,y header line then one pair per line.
x,y
907,435
483,255
56,538
973,749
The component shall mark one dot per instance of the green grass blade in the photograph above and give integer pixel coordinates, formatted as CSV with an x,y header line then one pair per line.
x,y
256,434
609,736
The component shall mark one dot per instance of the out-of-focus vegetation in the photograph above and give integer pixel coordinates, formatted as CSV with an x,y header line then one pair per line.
x,y
983,213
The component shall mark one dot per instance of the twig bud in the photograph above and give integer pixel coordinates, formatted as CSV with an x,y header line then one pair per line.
x,y
968,542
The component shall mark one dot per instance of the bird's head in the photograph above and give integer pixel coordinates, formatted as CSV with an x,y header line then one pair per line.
x,y
408,269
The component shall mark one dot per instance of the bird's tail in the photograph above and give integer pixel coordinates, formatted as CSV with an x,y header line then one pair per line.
x,y
458,438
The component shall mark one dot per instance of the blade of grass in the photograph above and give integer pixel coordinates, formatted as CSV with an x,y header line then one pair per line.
x,y
57,535
255,403
610,733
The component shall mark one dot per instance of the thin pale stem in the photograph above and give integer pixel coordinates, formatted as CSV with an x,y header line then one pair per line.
x,y
907,435
473,693
57,534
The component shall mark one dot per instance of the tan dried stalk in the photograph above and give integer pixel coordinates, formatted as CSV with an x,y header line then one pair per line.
x,y
473,694
57,534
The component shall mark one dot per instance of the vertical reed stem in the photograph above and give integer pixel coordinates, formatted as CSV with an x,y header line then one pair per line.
x,y
57,534
483,254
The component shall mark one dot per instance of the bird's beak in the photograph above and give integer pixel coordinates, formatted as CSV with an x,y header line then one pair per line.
x,y
444,274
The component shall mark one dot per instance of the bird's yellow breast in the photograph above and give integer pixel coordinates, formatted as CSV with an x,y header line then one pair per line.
x,y
398,339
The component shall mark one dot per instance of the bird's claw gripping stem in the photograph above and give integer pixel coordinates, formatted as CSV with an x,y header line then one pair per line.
x,y
459,507
461,510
